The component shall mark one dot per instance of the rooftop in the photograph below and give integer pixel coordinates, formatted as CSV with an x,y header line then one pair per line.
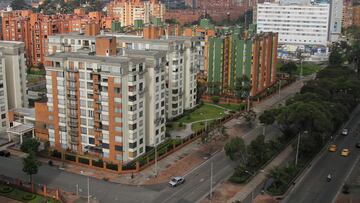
x,y
11,44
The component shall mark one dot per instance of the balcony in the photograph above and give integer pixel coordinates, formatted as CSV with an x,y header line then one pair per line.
x,y
72,70
73,124
72,106
73,115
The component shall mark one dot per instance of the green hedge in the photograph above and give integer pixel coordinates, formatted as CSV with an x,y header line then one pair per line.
x,y
56,154
240,179
112,166
98,163
129,166
70,157
28,197
6,189
84,160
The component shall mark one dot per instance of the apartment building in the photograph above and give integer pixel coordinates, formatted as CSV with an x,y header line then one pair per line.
x,y
231,57
284,19
71,42
98,101
12,80
34,29
347,13
356,15
181,68
131,12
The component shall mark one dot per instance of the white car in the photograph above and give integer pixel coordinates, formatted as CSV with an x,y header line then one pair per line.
x,y
345,132
175,181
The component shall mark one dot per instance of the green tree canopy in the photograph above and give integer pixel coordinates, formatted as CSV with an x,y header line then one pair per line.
x,y
31,165
289,68
19,5
30,145
235,149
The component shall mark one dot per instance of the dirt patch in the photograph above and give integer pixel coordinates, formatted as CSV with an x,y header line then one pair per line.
x,y
265,199
182,167
224,192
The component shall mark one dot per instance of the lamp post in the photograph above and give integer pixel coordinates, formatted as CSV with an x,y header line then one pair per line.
x,y
297,148
211,181
155,160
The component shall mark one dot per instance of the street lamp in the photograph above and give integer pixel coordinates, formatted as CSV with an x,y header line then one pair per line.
x,y
297,148
88,186
248,172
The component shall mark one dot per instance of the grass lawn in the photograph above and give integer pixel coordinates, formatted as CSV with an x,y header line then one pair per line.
x,y
308,69
232,107
199,126
206,111
19,195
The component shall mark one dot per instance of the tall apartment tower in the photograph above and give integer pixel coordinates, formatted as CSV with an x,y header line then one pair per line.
x,y
231,57
181,67
106,103
131,12
12,79
15,70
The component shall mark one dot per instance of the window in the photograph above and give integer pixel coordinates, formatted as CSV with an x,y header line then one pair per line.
x,y
105,145
141,141
3,116
119,157
132,145
118,148
91,140
118,139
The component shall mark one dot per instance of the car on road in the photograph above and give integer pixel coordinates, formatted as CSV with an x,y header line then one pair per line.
x,y
345,152
357,145
345,132
175,181
332,148
4,153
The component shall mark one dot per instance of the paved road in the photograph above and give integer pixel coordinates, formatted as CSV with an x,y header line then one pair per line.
x,y
313,187
103,191
197,181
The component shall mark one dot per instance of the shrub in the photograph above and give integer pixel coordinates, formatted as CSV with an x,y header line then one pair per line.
x,y
84,160
215,99
181,124
112,166
99,163
28,197
6,189
70,157
56,154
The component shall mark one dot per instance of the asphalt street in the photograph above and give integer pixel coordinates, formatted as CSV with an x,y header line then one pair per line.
x,y
313,187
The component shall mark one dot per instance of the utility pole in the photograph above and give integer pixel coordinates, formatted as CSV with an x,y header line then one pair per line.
x,y
211,180
77,189
279,87
88,190
297,149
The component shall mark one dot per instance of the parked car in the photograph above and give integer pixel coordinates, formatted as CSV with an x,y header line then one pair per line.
x,y
345,152
175,181
345,131
332,148
4,153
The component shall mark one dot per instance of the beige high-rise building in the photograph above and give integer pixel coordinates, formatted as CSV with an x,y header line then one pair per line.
x,y
12,79
131,12
109,103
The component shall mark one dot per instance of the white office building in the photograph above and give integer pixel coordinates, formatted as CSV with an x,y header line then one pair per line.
x,y
295,23
336,19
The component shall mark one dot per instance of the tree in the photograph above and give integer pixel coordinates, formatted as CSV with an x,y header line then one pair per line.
x,y
235,149
250,117
19,5
267,118
354,56
289,68
335,57
31,165
30,145
242,87
258,150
